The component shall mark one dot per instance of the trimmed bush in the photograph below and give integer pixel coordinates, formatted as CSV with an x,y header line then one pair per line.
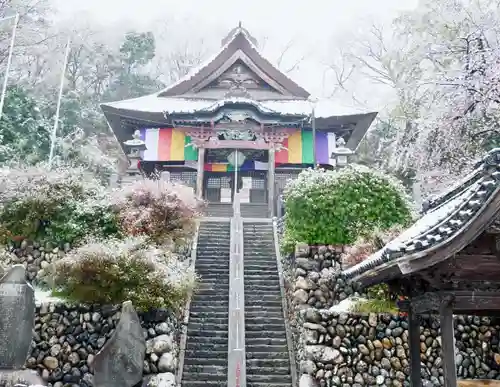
x,y
57,205
114,271
163,212
338,207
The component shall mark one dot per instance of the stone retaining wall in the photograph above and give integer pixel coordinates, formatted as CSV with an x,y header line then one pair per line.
x,y
67,338
337,348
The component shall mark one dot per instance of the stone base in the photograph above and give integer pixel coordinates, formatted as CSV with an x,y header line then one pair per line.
x,y
11,378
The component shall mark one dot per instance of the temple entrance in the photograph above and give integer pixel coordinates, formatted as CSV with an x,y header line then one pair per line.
x,y
220,187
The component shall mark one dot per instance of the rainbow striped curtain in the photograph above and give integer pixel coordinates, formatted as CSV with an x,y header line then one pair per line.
x,y
299,148
167,144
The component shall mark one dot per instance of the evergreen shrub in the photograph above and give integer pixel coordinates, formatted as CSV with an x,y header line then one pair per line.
x,y
338,207
57,205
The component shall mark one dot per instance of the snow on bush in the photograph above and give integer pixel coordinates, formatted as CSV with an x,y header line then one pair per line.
x,y
60,205
114,271
161,210
337,207
369,244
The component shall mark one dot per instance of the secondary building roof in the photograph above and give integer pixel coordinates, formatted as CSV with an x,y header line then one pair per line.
x,y
449,223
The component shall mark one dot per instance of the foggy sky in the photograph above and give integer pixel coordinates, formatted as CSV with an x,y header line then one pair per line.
x,y
315,27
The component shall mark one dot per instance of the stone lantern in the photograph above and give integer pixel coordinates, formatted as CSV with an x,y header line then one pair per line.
x,y
134,147
341,154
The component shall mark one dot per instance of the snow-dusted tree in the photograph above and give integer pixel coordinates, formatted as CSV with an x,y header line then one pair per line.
x,y
441,60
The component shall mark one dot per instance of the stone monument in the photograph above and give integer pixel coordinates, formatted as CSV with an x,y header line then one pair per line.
x,y
17,320
120,362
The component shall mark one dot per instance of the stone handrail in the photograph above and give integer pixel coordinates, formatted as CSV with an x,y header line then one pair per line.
x,y
236,374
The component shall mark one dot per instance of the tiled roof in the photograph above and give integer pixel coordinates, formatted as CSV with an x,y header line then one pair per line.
x,y
445,217
155,104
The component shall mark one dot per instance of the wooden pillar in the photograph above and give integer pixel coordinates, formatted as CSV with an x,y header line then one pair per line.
x,y
448,343
199,172
414,341
270,181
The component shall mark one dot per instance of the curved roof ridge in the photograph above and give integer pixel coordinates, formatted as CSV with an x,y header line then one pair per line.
x,y
448,216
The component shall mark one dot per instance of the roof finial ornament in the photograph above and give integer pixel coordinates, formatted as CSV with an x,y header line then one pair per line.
x,y
239,25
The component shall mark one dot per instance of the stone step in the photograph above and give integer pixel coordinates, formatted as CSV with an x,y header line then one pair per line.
x,y
257,308
214,238
201,302
267,327
263,313
262,289
257,281
267,262
214,271
266,341
207,354
258,384
204,361
207,325
264,321
199,346
264,266
194,334
212,287
260,278
194,382
280,333
204,260
267,363
209,313
210,291
211,319
206,369
253,348
258,274
268,370
269,378
266,355
259,298
211,340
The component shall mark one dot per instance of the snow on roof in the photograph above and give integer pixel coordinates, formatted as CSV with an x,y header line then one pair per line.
x,y
444,220
432,220
195,70
155,104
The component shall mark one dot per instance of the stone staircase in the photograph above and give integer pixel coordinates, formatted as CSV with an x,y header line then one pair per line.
x,y
205,361
267,356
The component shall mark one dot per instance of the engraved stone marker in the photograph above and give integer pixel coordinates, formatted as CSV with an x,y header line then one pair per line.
x,y
120,362
17,318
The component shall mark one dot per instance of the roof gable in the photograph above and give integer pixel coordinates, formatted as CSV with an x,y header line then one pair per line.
x,y
238,53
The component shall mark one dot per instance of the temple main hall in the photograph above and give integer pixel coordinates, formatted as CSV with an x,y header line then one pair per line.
x,y
236,123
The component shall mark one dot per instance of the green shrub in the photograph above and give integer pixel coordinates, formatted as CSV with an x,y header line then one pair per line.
x,y
375,306
58,205
337,207
114,271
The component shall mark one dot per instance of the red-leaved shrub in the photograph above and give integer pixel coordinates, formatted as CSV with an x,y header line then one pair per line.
x,y
162,211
